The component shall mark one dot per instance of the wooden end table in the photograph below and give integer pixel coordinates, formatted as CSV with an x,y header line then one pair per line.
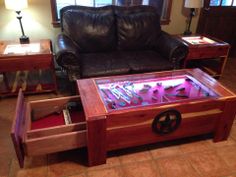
x,y
25,59
208,53
153,110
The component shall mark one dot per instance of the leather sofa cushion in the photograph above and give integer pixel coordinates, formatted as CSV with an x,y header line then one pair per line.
x,y
137,28
148,61
125,62
104,64
93,29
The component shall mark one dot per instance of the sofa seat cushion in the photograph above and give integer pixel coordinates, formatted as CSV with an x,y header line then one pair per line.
x,y
104,64
122,62
148,61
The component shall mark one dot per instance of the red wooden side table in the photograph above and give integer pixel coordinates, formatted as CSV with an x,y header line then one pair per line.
x,y
208,53
23,59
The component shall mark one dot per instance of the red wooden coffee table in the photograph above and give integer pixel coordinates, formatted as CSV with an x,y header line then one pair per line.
x,y
125,111
132,110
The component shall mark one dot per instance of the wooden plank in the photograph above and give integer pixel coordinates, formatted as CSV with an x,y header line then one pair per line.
x,y
225,122
91,100
96,141
129,117
56,130
17,128
215,112
15,64
55,143
60,100
207,53
211,83
140,135
45,107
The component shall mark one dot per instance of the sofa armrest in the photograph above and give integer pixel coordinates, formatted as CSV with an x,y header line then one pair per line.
x,y
66,53
171,48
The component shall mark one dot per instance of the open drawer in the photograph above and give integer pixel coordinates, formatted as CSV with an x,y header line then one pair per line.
x,y
39,127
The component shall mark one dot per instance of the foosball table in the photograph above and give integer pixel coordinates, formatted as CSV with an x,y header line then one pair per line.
x,y
124,111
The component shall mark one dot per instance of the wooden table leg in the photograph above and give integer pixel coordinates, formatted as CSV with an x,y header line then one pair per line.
x,y
52,68
225,123
54,81
96,141
6,81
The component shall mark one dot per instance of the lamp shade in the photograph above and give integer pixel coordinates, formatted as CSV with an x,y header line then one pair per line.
x,y
193,3
16,5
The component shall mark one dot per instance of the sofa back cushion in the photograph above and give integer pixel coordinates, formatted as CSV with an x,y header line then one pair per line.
x,y
138,27
92,29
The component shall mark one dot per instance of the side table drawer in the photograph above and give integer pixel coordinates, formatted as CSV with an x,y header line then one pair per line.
x,y
207,52
39,126
26,62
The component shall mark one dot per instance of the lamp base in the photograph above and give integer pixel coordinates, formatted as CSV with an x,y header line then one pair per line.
x,y
24,40
187,32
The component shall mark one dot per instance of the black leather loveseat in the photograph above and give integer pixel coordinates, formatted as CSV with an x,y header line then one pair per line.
x,y
114,40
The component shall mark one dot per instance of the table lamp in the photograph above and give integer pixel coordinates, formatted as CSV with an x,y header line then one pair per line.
x,y
192,4
17,6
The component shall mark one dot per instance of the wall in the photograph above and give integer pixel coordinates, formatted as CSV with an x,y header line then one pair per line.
x,y
37,21
178,18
